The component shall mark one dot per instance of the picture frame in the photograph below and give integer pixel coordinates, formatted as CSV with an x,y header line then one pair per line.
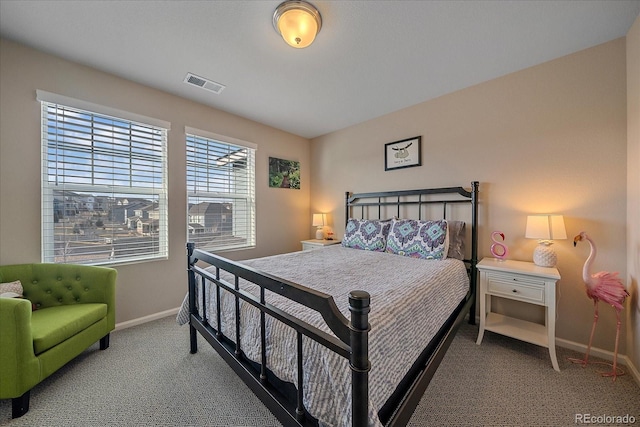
x,y
284,173
405,153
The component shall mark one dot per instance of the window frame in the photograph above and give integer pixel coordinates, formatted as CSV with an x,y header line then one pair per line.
x,y
155,249
249,181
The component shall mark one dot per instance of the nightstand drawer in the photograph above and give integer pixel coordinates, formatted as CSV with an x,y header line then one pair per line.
x,y
516,287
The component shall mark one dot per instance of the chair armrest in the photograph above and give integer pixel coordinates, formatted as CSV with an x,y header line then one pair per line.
x,y
19,368
101,285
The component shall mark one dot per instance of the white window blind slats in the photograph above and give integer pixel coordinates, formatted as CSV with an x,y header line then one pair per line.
x,y
221,193
104,190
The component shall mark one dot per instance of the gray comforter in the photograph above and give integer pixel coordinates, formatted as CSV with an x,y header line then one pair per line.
x,y
410,300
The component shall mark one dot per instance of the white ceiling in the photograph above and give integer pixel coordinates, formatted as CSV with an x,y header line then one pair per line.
x,y
370,58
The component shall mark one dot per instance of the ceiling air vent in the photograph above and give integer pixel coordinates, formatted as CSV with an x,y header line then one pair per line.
x,y
203,83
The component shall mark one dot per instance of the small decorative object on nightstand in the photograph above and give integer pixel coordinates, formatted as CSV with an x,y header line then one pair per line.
x,y
498,249
520,281
308,245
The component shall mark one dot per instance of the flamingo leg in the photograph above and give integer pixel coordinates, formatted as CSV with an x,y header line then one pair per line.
x,y
615,372
584,361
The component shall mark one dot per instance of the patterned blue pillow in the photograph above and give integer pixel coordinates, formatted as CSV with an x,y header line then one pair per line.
x,y
418,239
370,235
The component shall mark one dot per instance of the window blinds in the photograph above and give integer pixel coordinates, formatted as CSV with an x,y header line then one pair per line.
x,y
220,191
104,189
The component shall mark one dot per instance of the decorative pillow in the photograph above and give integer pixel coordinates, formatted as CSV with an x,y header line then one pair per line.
x,y
456,230
11,289
366,234
418,239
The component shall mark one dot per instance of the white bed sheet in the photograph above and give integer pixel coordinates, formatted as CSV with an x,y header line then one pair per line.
x,y
410,300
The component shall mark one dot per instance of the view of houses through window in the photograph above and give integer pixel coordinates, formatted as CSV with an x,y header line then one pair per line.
x,y
99,228
104,186
221,192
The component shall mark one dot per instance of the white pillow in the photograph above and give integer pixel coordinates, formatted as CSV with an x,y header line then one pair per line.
x,y
11,289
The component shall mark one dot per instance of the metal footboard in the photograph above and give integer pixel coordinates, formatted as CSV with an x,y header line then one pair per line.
x,y
352,340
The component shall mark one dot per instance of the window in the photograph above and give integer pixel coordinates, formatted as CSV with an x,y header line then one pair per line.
x,y
104,184
220,191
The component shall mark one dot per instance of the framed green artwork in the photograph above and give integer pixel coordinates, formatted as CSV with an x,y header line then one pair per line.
x,y
284,173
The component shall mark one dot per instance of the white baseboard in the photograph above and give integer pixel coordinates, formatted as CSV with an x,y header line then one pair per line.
x,y
602,354
145,319
596,352
632,369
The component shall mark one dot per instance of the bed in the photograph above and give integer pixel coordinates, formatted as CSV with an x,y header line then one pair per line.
x,y
351,334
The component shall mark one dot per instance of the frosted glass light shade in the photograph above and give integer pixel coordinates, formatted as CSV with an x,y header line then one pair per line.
x,y
298,22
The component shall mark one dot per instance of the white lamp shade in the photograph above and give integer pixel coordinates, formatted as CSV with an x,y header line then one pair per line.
x,y
318,220
545,227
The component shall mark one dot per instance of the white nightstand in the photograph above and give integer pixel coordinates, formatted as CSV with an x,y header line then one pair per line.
x,y
520,281
308,245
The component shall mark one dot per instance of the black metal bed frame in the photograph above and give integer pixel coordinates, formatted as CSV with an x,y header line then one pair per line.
x,y
351,335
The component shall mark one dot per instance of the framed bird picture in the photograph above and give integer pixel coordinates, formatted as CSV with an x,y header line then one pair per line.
x,y
402,154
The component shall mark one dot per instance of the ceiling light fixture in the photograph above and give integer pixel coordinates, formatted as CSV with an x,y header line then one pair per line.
x,y
298,22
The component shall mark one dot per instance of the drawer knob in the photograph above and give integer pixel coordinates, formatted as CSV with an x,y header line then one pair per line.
x,y
515,291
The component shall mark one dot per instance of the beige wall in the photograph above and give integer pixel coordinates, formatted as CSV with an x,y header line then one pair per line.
x,y
633,190
551,138
283,216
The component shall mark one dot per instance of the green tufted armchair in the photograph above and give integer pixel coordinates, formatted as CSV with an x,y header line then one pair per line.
x,y
66,308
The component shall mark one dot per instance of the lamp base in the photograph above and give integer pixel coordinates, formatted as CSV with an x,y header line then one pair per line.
x,y
544,256
319,234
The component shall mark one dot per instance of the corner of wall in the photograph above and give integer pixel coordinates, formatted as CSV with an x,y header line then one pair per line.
x,y
633,193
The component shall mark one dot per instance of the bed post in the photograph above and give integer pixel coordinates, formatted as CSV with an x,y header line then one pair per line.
x,y
359,360
346,207
474,250
192,296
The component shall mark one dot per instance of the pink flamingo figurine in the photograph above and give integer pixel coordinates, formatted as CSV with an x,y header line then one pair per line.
x,y
498,249
603,286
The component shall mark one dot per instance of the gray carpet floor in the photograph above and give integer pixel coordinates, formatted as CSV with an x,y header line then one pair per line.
x,y
148,378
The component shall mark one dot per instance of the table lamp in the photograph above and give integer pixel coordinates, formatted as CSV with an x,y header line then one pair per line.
x,y
318,221
545,228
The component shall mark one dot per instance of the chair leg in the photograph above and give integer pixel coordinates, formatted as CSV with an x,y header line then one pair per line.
x,y
20,405
104,342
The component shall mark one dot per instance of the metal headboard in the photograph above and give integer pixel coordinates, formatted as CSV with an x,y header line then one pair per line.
x,y
430,196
